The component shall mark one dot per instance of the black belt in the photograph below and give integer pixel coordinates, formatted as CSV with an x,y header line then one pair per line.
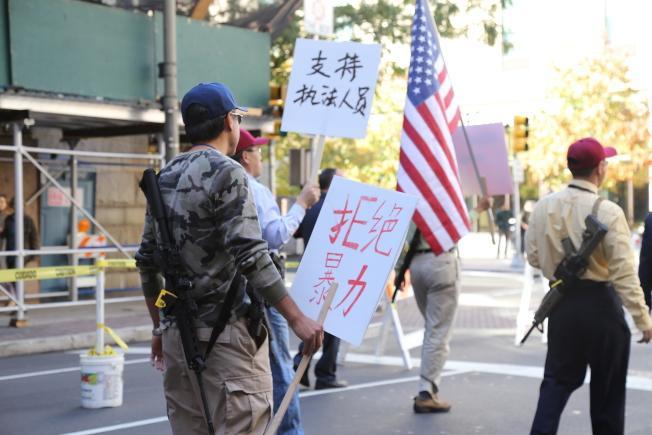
x,y
429,251
589,284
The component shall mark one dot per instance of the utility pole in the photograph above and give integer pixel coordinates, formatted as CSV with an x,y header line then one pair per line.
x,y
168,71
518,176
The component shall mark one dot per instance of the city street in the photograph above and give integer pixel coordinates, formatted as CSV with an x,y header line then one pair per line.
x,y
167,154
492,384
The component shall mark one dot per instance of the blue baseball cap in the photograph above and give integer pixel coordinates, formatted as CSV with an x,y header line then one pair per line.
x,y
215,97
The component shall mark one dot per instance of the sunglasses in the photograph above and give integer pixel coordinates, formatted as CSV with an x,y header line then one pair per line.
x,y
237,116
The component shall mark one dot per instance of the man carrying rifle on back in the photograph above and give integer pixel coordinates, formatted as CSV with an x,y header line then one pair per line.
x,y
208,208
586,326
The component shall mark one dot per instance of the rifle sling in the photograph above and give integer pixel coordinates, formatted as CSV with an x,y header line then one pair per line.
x,y
225,314
566,243
596,205
412,250
597,202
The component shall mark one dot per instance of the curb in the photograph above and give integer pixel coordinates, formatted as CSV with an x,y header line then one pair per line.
x,y
69,342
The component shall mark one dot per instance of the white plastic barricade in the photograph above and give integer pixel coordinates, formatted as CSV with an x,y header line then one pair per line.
x,y
532,280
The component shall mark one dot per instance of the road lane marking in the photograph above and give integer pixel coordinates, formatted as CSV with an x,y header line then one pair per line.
x,y
641,383
303,394
119,426
372,385
133,350
517,276
61,370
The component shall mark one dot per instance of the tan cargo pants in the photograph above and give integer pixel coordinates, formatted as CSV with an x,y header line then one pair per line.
x,y
237,381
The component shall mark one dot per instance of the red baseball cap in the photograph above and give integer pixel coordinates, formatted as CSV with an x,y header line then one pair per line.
x,y
587,153
247,140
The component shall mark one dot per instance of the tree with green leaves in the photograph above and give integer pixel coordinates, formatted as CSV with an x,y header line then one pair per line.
x,y
593,97
374,159
389,22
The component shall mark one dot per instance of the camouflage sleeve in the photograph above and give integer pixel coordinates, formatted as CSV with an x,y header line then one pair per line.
x,y
238,221
150,278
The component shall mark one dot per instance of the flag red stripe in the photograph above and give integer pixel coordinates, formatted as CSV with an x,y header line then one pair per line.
x,y
452,125
427,233
427,194
442,75
430,158
425,229
434,126
448,98
446,145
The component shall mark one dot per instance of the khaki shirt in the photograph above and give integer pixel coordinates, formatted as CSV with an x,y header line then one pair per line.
x,y
562,215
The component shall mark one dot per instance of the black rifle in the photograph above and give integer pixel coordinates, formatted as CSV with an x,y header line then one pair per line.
x,y
180,304
569,271
400,276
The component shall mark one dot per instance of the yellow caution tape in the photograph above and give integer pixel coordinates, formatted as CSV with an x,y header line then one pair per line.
x,y
114,336
38,273
122,264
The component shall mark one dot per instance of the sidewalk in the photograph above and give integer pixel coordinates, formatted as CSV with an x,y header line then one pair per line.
x,y
58,329
477,253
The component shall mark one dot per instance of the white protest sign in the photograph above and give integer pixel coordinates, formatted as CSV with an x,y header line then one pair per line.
x,y
318,17
331,88
356,241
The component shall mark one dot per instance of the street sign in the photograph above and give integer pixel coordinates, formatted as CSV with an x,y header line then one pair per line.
x,y
318,17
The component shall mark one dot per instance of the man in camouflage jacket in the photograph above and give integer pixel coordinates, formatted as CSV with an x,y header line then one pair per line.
x,y
213,220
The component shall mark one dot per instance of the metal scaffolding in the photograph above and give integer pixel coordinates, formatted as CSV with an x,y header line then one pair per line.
x,y
22,154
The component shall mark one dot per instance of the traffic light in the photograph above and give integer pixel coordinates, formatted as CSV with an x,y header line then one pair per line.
x,y
276,94
520,134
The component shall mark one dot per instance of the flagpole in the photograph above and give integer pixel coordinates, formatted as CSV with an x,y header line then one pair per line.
x,y
481,181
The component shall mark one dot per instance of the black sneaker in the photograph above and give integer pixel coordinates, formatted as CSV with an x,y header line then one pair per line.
x,y
324,385
305,381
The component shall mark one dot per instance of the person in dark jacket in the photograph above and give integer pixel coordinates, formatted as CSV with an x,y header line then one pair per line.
x,y
8,234
645,263
31,239
326,367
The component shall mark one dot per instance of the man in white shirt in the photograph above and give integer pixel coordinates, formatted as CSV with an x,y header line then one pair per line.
x,y
276,230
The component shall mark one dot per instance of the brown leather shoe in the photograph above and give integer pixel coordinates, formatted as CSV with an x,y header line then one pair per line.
x,y
426,403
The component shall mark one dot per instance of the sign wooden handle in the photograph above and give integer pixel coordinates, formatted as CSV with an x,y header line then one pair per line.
x,y
317,153
303,365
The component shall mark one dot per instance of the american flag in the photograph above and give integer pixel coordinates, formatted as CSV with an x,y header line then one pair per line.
x,y
428,167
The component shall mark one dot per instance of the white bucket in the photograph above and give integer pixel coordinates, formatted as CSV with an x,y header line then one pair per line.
x,y
101,380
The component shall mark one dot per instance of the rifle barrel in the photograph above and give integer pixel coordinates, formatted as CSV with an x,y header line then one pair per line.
x,y
528,333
